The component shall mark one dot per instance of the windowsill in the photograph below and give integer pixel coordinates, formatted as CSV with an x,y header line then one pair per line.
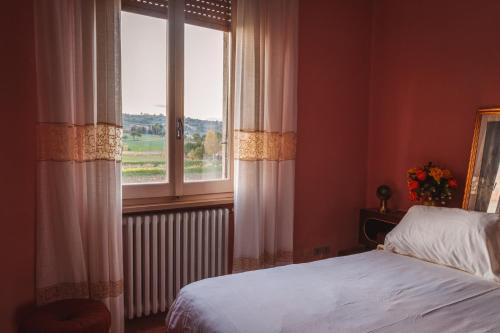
x,y
170,203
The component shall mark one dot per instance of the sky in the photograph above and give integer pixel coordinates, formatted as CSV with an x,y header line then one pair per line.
x,y
144,74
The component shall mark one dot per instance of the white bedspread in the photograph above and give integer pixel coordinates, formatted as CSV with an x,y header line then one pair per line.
x,y
370,292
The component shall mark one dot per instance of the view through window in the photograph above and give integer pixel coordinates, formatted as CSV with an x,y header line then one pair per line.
x,y
144,96
204,145
144,102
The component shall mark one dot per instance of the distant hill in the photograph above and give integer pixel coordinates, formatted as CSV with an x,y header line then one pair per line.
x,y
191,125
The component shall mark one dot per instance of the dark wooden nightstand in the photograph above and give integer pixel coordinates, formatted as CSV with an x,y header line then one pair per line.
x,y
373,226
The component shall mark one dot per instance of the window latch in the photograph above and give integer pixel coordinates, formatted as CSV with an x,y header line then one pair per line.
x,y
179,128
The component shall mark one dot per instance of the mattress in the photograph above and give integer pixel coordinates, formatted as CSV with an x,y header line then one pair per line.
x,y
376,291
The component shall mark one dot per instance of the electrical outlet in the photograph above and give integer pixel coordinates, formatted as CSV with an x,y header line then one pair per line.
x,y
321,251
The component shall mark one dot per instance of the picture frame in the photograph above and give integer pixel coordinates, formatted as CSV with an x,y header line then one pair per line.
x,y
482,187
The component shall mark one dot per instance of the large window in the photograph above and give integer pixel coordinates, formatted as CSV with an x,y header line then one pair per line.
x,y
175,74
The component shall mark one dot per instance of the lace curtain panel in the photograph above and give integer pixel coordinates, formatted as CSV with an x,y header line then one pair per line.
x,y
79,239
265,107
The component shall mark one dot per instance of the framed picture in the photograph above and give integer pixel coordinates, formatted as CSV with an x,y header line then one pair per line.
x,y
482,188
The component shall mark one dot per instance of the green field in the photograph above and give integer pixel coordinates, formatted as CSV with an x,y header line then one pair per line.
x,y
144,160
144,143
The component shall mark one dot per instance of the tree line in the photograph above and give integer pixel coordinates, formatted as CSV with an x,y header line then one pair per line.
x,y
198,147
137,131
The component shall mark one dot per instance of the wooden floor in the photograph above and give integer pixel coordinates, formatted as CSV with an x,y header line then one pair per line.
x,y
150,324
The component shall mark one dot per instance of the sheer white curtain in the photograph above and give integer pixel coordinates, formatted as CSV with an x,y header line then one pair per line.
x,y
79,239
265,107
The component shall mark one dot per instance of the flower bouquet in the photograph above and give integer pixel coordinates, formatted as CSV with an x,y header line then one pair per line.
x,y
431,185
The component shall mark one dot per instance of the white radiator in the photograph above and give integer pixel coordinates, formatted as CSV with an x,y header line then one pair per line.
x,y
165,251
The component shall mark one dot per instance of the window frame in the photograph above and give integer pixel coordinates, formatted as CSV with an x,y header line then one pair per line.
x,y
175,185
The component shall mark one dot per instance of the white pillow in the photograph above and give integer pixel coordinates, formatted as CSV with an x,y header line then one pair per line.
x,y
466,240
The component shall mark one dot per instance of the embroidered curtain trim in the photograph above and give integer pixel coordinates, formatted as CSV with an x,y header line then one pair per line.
x,y
80,143
266,260
98,290
261,145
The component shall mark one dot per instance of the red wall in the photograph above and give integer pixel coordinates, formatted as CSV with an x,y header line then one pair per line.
x,y
334,48
434,64
17,169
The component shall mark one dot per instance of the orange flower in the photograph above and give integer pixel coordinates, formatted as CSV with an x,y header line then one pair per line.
x,y
412,170
436,173
447,174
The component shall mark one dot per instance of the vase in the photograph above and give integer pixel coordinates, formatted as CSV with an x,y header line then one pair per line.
x,y
429,203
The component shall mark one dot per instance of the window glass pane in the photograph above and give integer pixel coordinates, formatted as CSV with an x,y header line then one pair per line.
x,y
144,88
205,148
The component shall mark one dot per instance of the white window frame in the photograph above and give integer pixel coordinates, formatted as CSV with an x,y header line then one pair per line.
x,y
175,185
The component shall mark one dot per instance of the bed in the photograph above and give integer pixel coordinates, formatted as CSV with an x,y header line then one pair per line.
x,y
377,291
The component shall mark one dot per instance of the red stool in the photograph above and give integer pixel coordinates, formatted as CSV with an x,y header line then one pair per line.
x,y
69,316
